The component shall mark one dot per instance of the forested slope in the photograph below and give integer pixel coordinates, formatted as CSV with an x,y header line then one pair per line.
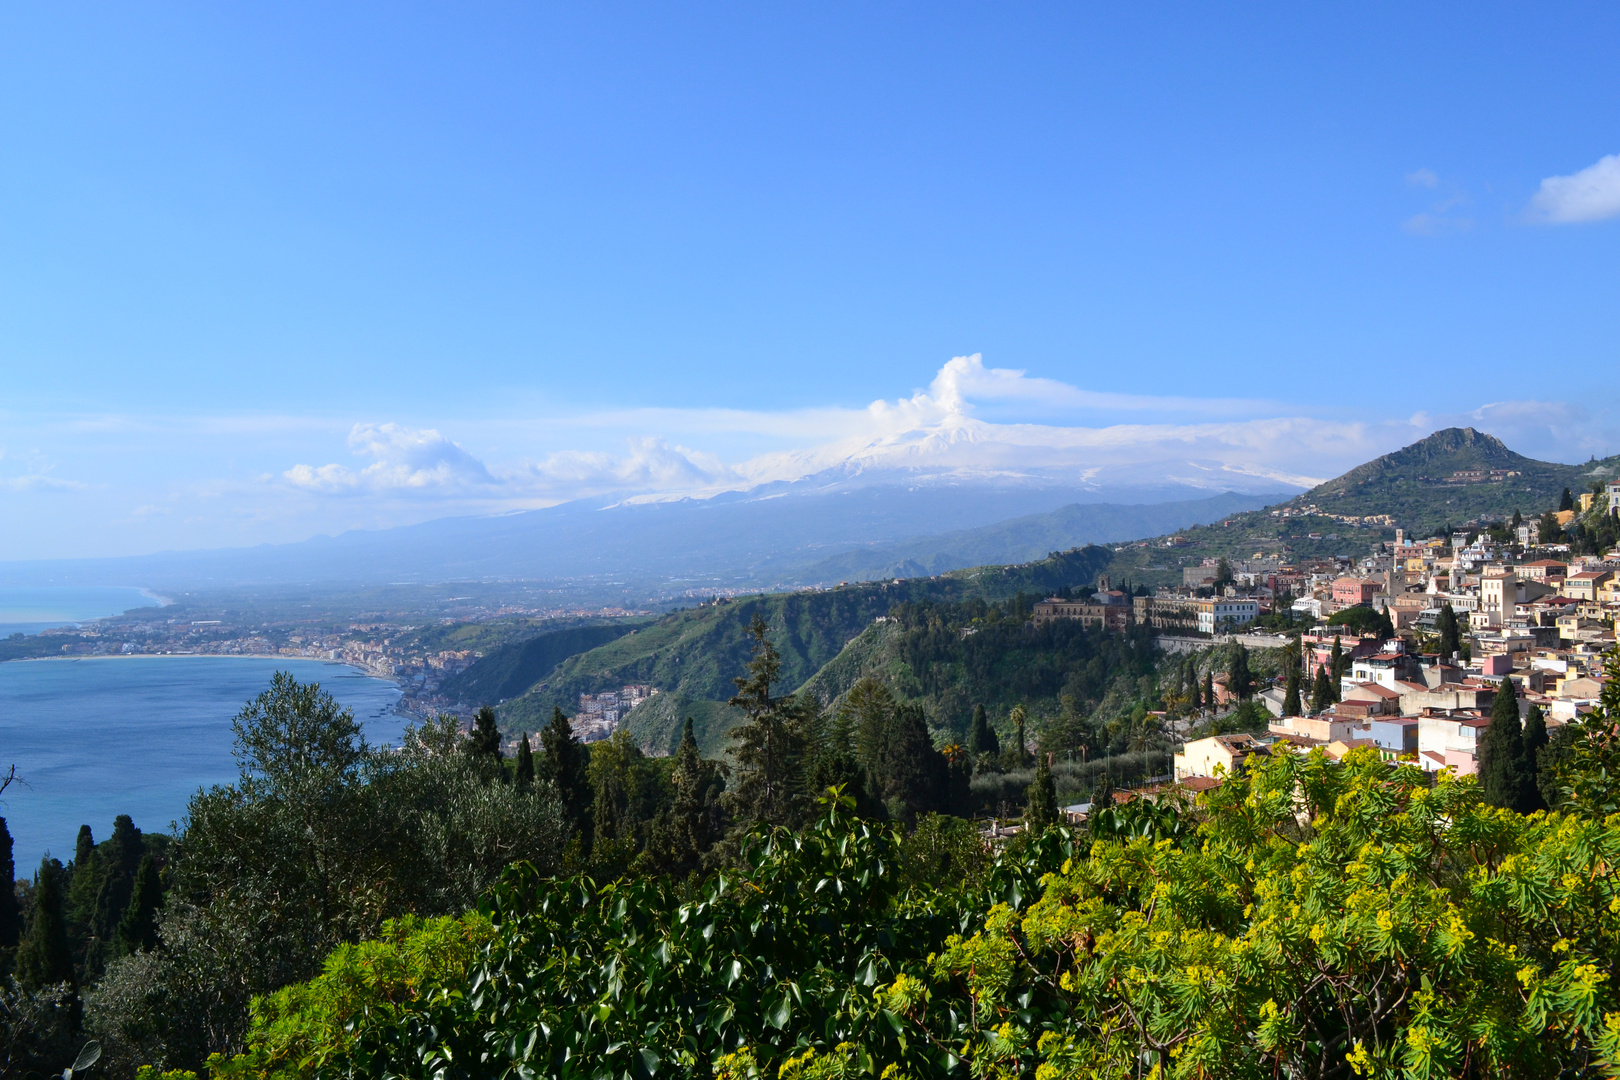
x,y
511,669
695,653
953,657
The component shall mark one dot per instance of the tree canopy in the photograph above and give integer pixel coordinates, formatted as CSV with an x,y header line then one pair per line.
x,y
1306,918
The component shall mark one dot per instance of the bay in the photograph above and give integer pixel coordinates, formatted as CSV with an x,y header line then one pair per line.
x,y
96,737
28,610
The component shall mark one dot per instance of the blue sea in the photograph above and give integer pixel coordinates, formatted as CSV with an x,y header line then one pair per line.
x,y
96,737
30,610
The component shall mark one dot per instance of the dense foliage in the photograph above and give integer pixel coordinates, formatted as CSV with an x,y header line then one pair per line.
x,y
1306,918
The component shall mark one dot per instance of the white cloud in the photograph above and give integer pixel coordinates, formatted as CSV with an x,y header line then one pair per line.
x,y
37,476
1424,178
1441,217
651,464
40,482
936,432
1589,195
407,459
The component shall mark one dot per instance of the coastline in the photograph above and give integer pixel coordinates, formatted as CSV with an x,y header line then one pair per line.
x,y
393,680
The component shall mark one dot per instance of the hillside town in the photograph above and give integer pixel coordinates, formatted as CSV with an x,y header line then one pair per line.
x,y
1413,642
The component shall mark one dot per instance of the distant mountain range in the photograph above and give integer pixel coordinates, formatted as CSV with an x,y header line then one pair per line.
x,y
1027,538
851,525
778,535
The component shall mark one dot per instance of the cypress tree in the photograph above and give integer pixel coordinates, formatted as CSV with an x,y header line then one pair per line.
x,y
1338,663
1535,740
564,762
1566,501
1322,692
84,849
911,776
524,776
1291,702
982,738
1239,680
1041,812
137,929
1501,752
1209,689
1194,698
11,924
484,741
688,831
43,955
1450,639
1386,626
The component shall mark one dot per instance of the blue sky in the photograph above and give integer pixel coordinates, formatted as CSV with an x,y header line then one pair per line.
x,y
273,270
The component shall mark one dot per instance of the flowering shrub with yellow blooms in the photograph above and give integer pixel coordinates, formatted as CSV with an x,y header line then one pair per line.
x,y
1303,919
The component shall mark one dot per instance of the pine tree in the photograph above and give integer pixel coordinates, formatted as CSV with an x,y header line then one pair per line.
x,y
564,762
1291,702
768,746
1322,691
1041,812
43,955
1501,752
484,741
137,929
1535,740
523,777
982,738
1239,679
838,764
1450,639
11,924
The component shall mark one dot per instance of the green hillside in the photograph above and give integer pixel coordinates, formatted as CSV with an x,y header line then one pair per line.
x,y
955,656
509,670
1417,485
695,653
1413,485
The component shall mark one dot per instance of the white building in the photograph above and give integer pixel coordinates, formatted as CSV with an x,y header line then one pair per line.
x,y
1224,614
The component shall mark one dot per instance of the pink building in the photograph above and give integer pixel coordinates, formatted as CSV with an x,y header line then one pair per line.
x,y
1350,591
